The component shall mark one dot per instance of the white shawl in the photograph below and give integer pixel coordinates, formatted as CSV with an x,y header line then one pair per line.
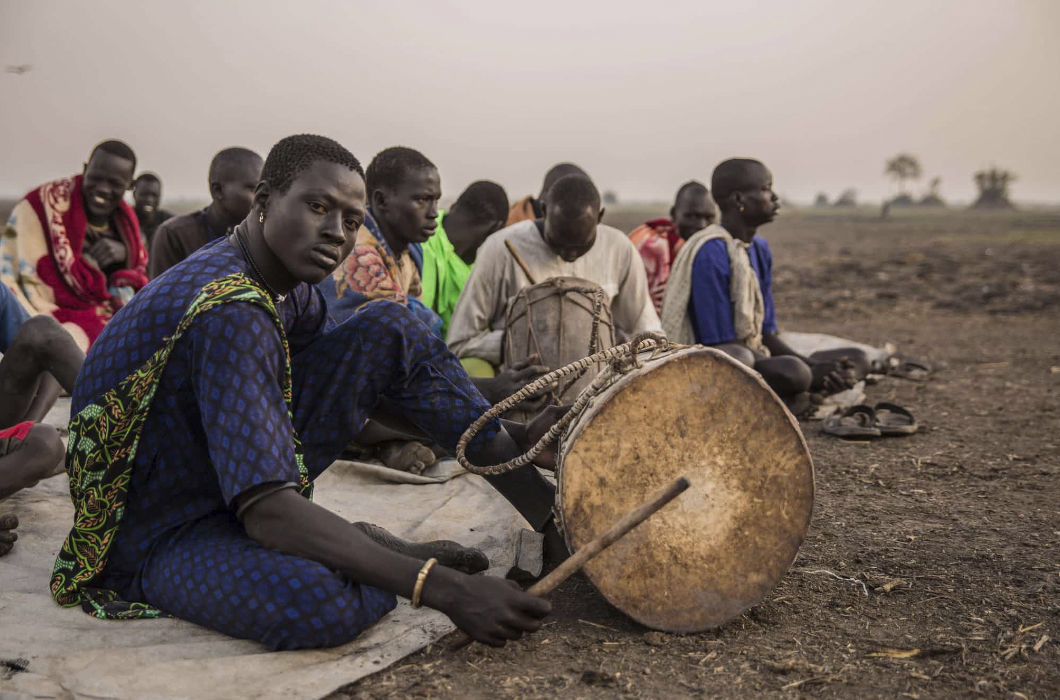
x,y
748,307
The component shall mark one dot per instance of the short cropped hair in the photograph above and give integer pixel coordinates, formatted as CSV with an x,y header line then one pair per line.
x,y
391,165
294,154
731,176
484,201
115,148
691,187
226,157
147,177
574,193
555,173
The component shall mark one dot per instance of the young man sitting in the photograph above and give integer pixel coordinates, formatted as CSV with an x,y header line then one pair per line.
x,y
147,198
659,240
233,174
720,293
569,241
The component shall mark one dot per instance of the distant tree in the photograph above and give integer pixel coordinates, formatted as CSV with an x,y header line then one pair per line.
x,y
932,198
821,200
901,168
847,198
610,197
993,188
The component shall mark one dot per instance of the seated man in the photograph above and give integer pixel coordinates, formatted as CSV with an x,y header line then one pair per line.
x,y
403,192
72,247
448,255
720,293
569,241
231,393
36,352
234,172
147,196
528,208
659,240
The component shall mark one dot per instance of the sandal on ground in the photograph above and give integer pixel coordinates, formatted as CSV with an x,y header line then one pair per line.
x,y
855,423
906,368
892,419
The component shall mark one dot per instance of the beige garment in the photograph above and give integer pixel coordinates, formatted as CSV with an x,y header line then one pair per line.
x,y
745,293
477,326
22,243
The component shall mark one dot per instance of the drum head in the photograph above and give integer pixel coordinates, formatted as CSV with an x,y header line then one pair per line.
x,y
723,544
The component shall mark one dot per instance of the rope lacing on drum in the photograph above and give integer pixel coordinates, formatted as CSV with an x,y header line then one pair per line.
x,y
599,298
622,358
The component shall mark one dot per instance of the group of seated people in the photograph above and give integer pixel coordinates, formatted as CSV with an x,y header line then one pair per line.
x,y
314,304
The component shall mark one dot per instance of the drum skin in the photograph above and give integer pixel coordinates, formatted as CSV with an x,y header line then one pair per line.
x,y
721,546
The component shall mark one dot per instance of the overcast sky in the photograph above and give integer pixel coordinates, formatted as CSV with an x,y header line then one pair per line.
x,y
823,91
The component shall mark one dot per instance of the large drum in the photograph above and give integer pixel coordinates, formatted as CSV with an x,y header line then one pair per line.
x,y
560,320
725,543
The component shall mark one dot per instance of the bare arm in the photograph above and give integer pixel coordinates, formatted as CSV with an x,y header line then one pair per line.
x,y
490,610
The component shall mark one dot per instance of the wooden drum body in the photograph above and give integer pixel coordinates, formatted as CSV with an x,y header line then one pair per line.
x,y
725,543
560,320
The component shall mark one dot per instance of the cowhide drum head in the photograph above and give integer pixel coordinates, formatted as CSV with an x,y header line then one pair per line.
x,y
720,547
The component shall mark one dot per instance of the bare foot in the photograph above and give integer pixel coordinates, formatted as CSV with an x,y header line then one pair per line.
x,y
8,523
409,456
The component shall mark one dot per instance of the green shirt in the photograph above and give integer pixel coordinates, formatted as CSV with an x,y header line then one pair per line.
x,y
444,274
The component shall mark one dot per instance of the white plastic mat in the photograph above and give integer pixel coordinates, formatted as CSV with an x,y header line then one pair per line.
x,y
71,654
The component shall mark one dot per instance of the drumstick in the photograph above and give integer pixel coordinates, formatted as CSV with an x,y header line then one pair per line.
x,y
580,558
519,262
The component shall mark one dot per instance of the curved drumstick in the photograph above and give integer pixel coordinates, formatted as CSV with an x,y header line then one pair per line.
x,y
519,261
577,560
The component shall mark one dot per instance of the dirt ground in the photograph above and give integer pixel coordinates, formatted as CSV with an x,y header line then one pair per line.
x,y
932,564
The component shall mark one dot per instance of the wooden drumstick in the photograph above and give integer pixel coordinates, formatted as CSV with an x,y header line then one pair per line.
x,y
579,559
519,262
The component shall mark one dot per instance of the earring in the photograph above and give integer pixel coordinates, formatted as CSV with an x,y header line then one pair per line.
x,y
261,217
741,208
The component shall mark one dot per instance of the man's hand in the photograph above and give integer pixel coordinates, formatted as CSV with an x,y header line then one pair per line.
x,y
8,523
833,376
490,610
512,379
107,252
536,429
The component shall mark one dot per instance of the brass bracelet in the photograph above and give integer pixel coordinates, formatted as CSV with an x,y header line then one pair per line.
x,y
417,590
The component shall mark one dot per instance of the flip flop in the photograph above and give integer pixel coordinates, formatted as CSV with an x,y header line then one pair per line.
x,y
855,423
905,368
892,419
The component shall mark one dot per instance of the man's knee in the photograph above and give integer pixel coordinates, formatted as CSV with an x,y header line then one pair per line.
x,y
740,353
39,335
786,375
44,440
325,616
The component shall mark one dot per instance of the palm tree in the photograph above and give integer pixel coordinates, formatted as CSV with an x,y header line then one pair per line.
x,y
993,188
903,167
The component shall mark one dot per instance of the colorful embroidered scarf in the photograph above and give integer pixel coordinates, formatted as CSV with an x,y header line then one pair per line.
x,y
372,271
83,292
104,437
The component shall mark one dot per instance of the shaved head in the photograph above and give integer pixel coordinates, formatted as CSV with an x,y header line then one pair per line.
x,y
572,216
693,209
556,172
734,175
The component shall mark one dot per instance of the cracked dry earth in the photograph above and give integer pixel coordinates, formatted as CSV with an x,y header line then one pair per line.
x,y
932,564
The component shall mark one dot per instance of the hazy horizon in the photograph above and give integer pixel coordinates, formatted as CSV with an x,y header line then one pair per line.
x,y
822,91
